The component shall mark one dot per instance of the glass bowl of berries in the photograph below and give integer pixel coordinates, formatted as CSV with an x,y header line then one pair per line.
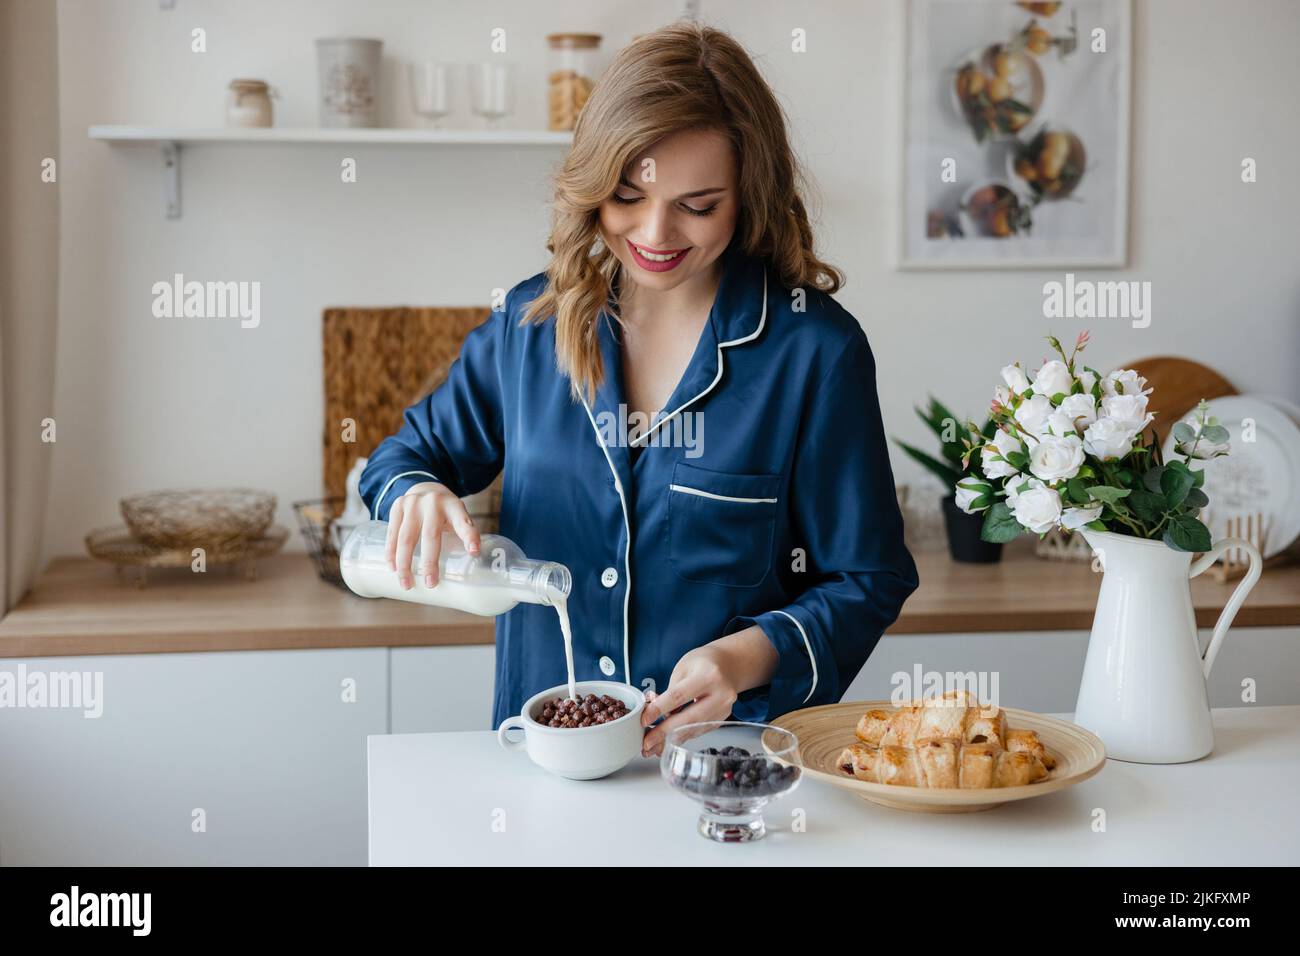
x,y
734,769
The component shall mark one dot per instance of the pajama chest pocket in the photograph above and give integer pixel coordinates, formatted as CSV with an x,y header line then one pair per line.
x,y
721,525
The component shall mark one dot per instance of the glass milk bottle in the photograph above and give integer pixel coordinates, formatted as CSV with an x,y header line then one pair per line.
x,y
490,584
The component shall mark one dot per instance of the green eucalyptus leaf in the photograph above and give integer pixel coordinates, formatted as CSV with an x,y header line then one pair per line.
x,y
1185,533
1151,478
1196,499
1174,484
1215,433
1000,525
1184,432
1148,505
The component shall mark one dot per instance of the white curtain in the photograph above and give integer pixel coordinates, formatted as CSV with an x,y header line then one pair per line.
x,y
29,273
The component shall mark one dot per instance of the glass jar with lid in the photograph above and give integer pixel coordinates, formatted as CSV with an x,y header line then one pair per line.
x,y
571,78
248,103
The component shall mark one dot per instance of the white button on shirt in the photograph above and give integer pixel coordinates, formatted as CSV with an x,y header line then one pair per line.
x,y
609,577
607,666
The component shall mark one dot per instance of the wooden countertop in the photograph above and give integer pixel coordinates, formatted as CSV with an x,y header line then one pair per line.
x,y
79,607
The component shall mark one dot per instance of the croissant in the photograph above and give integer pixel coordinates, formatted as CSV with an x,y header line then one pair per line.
x,y
952,741
942,763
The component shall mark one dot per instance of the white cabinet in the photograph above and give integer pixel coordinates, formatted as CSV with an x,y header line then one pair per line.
x,y
264,743
438,689
268,746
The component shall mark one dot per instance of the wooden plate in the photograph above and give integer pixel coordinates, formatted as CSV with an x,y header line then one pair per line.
x,y
1179,384
825,731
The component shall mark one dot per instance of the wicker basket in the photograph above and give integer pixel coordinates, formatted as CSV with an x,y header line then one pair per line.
x,y
189,517
1058,545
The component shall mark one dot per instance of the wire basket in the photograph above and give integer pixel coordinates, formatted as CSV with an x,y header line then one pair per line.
x,y
314,520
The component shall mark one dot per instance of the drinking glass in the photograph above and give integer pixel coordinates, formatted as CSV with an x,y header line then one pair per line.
x,y
431,90
492,90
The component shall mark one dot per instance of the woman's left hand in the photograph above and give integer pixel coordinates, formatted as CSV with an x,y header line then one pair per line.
x,y
707,680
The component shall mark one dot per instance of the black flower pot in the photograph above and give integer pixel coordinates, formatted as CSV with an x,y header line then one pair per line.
x,y
964,542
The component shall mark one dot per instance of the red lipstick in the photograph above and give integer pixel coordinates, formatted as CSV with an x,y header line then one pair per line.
x,y
654,265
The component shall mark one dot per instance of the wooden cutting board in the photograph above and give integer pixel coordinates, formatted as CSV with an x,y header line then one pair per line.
x,y
1179,384
378,362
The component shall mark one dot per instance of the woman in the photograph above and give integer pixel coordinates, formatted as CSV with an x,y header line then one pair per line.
x,y
739,548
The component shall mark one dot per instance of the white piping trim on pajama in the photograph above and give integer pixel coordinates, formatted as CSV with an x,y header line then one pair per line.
x,y
807,644
708,494
380,500
762,321
627,548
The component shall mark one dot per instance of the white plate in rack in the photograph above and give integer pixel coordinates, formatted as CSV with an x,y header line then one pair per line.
x,y
1256,476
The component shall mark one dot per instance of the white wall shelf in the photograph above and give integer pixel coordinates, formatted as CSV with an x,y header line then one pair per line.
x,y
336,135
170,140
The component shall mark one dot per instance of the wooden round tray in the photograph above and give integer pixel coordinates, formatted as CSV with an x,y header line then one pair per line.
x,y
824,732
119,547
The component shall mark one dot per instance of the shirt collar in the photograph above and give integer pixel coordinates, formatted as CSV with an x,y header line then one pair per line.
x,y
738,315
738,307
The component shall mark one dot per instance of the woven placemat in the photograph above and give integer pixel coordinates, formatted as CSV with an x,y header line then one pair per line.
x,y
118,546
378,362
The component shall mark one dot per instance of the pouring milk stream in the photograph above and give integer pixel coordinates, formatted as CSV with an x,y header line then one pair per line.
x,y
490,584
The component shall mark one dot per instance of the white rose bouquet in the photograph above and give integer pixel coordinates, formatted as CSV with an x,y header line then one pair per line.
x,y
1071,450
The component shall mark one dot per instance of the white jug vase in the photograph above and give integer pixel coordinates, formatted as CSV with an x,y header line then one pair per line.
x,y
1144,680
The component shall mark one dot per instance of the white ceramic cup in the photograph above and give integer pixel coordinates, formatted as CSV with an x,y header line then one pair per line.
x,y
579,753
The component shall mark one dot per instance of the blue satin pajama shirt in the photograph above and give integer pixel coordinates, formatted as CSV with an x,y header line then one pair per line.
x,y
772,504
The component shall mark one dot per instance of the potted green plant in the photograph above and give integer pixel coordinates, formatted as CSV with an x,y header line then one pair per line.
x,y
964,540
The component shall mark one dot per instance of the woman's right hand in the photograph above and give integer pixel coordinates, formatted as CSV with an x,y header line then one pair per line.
x,y
423,514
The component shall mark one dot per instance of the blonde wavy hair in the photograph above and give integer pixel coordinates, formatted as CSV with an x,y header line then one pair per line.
x,y
683,77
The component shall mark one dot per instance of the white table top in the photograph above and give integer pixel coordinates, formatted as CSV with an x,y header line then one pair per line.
x,y
458,798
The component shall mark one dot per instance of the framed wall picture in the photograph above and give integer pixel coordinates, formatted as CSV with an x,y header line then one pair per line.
x,y
1015,134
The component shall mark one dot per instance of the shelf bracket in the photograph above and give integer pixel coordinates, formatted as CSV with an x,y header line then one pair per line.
x,y
171,157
